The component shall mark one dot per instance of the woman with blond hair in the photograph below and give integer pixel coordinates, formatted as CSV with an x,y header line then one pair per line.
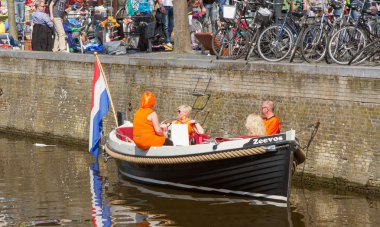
x,y
255,125
184,112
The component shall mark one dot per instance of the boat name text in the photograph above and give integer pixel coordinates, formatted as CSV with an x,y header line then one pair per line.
x,y
267,140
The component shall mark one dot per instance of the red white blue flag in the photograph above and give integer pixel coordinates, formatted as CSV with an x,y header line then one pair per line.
x,y
99,107
101,213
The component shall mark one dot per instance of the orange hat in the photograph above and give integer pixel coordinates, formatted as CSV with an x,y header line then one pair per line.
x,y
147,100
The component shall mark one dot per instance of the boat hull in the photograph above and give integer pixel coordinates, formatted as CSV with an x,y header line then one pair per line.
x,y
265,175
258,167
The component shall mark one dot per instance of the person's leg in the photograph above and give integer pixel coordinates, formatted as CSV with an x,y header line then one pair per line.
x,y
44,38
165,27
171,21
50,39
277,9
213,17
355,15
221,5
60,32
36,38
168,142
56,40
208,8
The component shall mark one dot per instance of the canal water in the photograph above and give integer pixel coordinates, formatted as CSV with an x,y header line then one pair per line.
x,y
60,185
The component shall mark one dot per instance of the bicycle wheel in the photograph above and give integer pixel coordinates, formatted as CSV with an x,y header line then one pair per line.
x,y
275,43
229,43
346,43
366,53
314,44
374,28
121,13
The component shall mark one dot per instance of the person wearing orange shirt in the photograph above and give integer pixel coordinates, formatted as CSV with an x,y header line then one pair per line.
x,y
271,122
184,112
146,127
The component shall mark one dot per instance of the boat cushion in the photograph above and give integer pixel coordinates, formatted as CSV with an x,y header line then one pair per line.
x,y
201,138
125,133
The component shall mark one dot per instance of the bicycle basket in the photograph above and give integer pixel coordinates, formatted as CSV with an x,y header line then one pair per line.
x,y
263,16
335,4
229,12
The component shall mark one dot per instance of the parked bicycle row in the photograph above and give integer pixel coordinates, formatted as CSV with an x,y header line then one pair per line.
x,y
332,31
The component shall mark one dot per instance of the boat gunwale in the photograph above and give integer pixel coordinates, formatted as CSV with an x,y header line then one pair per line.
x,y
127,148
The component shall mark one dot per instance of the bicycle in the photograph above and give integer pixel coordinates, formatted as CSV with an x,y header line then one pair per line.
x,y
349,40
228,41
366,53
276,42
241,31
316,37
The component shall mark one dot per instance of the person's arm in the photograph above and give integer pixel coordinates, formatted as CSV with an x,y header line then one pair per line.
x,y
198,128
51,10
47,20
154,119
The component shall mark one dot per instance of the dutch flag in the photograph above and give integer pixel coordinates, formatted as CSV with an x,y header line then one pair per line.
x,y
101,213
99,107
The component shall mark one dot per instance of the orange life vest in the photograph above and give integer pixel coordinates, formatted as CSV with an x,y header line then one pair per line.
x,y
144,135
272,125
190,127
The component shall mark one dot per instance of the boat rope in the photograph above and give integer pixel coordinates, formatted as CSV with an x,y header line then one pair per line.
x,y
188,159
313,134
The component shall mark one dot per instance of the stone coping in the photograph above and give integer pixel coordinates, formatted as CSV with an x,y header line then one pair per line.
x,y
166,59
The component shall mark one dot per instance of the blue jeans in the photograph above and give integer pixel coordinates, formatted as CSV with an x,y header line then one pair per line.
x,y
168,23
20,10
20,14
221,5
211,11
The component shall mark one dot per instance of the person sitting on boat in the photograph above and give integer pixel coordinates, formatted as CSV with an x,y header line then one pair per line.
x,y
271,122
184,112
146,127
255,126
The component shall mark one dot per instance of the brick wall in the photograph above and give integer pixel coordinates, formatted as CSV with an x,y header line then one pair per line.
x,y
49,94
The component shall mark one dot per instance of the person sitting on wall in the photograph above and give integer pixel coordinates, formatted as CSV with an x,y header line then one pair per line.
x,y
146,128
42,28
271,122
255,126
184,112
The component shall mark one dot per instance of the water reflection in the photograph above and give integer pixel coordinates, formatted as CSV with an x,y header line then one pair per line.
x,y
101,215
59,185
178,208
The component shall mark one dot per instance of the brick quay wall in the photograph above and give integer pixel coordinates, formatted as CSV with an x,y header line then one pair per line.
x,y
48,94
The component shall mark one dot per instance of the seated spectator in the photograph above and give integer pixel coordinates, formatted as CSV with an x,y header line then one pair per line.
x,y
196,11
146,128
184,112
42,28
271,122
255,125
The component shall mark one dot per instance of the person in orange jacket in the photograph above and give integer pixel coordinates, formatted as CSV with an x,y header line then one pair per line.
x,y
271,122
146,127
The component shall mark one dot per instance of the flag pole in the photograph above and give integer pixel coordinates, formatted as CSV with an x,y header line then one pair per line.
x,y
108,89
